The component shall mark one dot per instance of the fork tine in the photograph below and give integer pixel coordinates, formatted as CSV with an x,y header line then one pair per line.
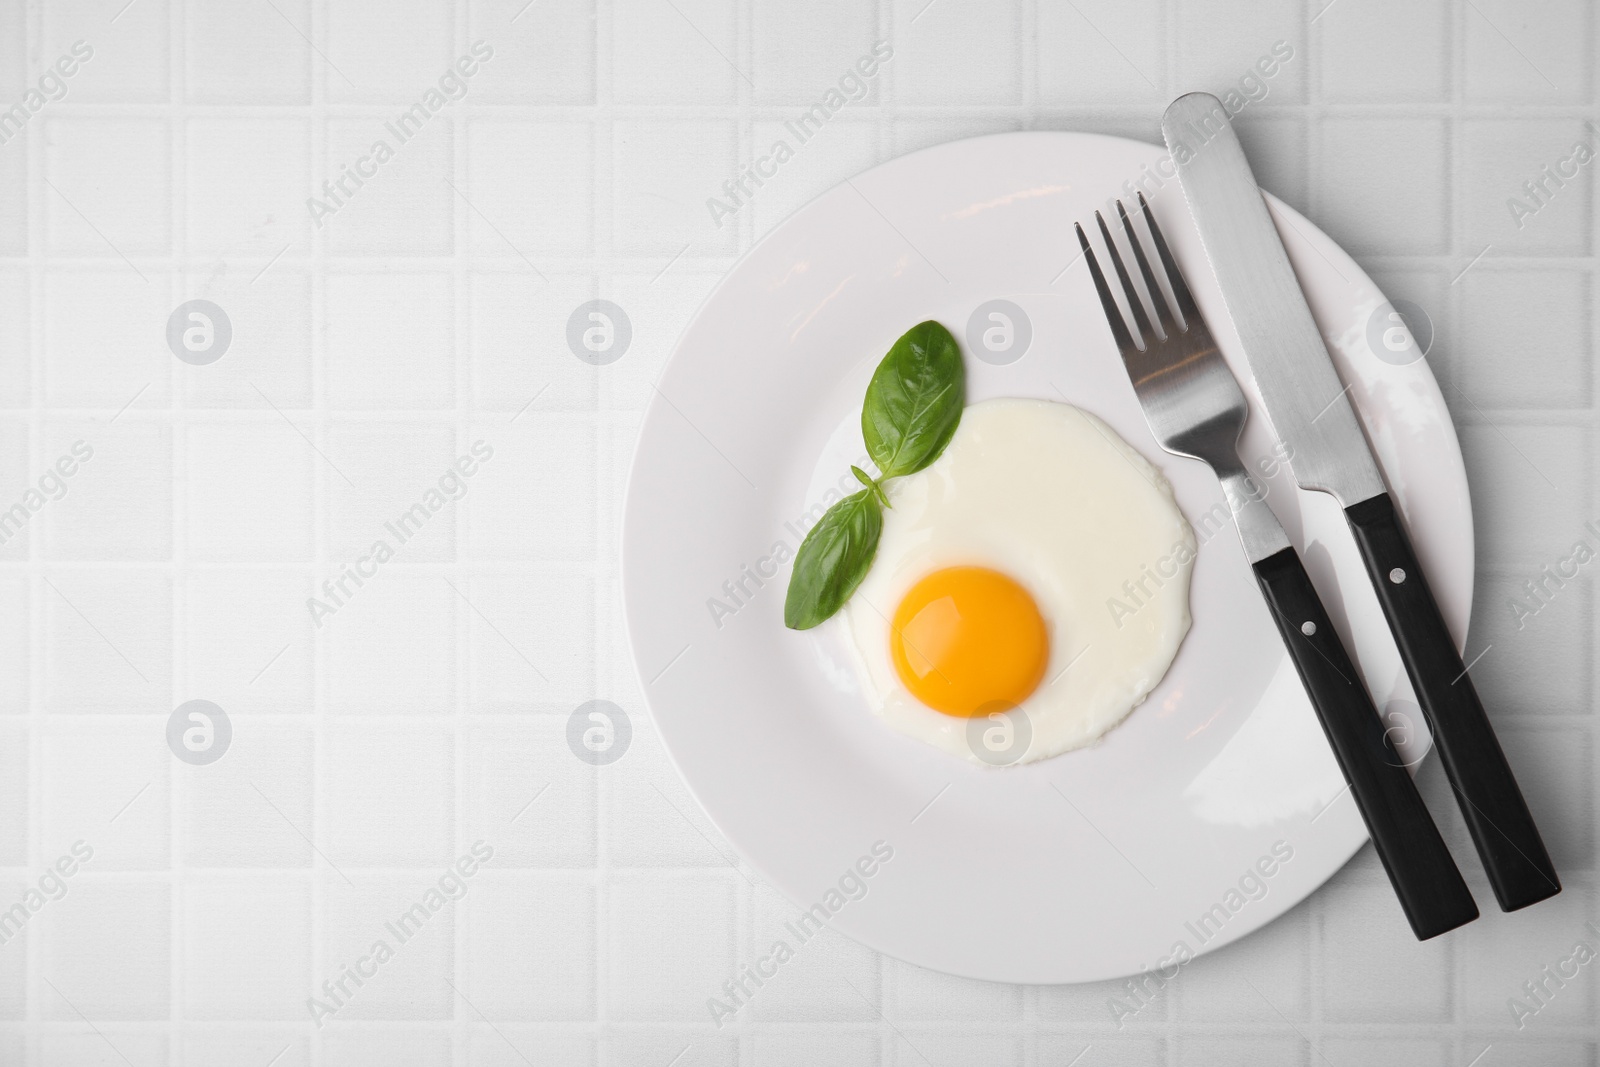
x,y
1158,300
1180,288
1119,328
1140,319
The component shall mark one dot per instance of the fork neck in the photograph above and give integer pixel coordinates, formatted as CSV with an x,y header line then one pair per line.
x,y
1259,528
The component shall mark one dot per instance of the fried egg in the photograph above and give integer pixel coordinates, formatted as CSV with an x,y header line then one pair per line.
x,y
1030,587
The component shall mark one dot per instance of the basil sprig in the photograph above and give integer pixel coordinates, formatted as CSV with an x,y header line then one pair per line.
x,y
912,408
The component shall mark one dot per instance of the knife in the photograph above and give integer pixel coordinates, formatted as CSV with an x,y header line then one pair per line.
x,y
1309,410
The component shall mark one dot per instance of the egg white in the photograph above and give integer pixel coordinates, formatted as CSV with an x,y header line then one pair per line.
x,y
1051,496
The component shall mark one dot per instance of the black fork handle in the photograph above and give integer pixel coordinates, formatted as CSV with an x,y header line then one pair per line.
x,y
1497,816
1430,888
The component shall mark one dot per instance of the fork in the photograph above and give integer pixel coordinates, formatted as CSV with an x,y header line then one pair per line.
x,y
1195,408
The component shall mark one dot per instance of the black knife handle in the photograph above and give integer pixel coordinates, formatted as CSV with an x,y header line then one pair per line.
x,y
1432,893
1513,853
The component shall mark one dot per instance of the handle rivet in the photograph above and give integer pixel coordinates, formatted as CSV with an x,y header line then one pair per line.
x,y
1397,576
1308,628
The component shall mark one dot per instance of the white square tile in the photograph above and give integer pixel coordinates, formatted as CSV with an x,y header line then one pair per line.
x,y
1513,192
1405,62
664,174
417,935
957,54
391,644
108,643
516,923
246,1044
521,362
510,1045
1387,1052
390,795
644,1044
658,309
1230,1052
14,960
19,487
1102,51
253,807
112,791
1528,52
544,53
105,340
1217,987
802,52
391,340
268,361
840,150
13,796
247,183
248,492
118,503
683,927
249,55
542,457
917,994
406,207
1532,520
680,53
825,979
127,61
1113,1051
529,191
16,662
842,1048
649,818
111,1046
1537,642
403,483
389,52
1374,970
531,796
956,1050
14,208
1541,316
1381,185
1531,960
1555,767
97,211
246,947
408,1047
16,348
1219,43
104,946
531,640
245,639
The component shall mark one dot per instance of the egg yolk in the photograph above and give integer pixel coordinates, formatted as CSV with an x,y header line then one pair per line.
x,y
965,640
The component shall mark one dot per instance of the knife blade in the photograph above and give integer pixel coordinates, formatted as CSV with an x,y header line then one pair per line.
x,y
1310,410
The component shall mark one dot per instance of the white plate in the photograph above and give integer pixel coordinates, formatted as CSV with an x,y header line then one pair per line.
x,y
1098,863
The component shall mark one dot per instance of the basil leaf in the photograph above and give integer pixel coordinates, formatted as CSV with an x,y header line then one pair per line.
x,y
832,560
914,401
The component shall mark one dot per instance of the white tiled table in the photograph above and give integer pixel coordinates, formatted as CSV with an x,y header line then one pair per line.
x,y
429,312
